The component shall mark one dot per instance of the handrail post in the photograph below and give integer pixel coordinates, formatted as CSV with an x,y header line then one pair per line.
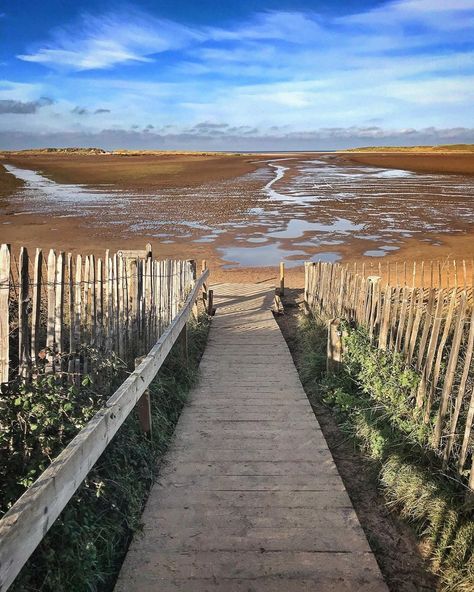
x,y
144,406
282,279
183,343
204,286
210,303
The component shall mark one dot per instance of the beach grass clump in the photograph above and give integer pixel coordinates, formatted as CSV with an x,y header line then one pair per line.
x,y
372,401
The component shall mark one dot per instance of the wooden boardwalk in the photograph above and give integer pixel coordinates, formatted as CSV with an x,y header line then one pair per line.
x,y
249,499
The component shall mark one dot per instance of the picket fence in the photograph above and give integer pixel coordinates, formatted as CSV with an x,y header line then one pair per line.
x,y
55,311
448,273
431,328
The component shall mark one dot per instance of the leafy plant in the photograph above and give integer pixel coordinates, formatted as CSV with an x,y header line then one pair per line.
x,y
84,549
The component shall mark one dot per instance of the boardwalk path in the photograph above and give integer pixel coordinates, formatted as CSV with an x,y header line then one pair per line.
x,y
250,499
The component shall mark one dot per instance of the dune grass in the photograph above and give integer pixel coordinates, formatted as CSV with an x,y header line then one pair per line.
x,y
369,401
439,148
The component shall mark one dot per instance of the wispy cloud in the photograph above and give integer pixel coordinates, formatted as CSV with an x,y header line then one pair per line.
x,y
100,42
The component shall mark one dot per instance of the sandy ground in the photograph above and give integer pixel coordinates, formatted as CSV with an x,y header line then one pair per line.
x,y
212,192
429,162
137,172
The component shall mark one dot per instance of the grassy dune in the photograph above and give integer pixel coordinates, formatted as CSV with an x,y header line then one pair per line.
x,y
140,170
436,149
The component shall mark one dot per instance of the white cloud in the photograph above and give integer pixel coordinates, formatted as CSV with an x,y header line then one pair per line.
x,y
103,42
407,64
442,15
293,27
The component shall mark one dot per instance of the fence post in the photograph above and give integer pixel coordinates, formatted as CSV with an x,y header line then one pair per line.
x,y
144,406
36,312
183,343
5,258
51,308
210,303
204,286
282,279
23,305
334,347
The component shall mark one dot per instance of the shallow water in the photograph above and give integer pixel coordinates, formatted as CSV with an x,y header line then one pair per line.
x,y
304,209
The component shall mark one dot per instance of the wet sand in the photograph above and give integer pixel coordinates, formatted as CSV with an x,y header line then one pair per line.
x,y
243,213
429,162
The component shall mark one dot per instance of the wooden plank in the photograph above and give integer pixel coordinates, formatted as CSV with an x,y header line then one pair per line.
x,y
427,323
450,372
77,316
107,302
71,311
419,310
401,321
36,303
133,253
92,299
467,434
439,354
99,304
385,319
59,308
23,527
461,390
413,298
24,344
5,262
86,307
116,303
432,346
51,307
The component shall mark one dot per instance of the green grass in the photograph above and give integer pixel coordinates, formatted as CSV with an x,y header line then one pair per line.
x,y
437,148
371,401
84,549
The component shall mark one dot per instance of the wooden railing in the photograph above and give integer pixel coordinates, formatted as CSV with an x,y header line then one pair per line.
x,y
431,328
23,527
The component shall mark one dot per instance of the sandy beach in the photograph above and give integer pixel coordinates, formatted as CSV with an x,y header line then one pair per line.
x,y
243,213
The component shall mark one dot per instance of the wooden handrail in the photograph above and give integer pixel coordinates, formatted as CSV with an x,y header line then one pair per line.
x,y
23,527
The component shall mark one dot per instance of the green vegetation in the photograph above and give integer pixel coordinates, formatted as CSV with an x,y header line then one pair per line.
x,y
439,148
371,400
84,549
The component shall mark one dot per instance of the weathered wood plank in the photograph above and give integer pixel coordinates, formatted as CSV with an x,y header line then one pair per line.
x,y
36,303
5,261
24,335
252,474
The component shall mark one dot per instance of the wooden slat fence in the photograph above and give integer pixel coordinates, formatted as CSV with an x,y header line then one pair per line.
x,y
153,299
447,273
54,308
431,328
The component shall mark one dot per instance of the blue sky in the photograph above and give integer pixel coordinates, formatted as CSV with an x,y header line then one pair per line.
x,y
247,75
